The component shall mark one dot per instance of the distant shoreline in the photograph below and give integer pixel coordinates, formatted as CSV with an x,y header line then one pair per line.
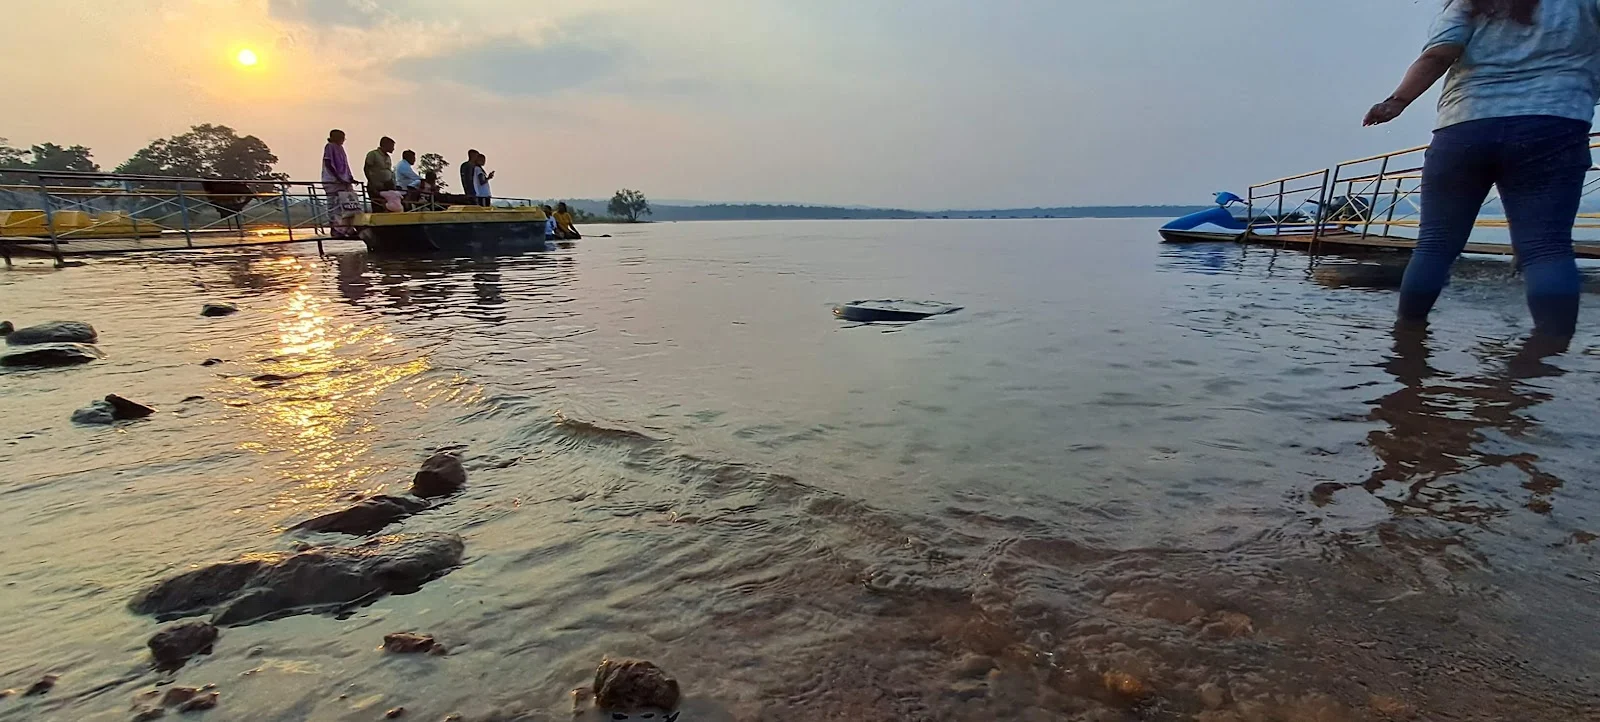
x,y
762,212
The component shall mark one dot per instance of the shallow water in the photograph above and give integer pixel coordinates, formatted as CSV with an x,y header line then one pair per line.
x,y
1127,482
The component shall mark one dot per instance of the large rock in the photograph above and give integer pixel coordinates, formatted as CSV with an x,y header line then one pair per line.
x,y
51,354
53,332
126,409
6,328
441,475
366,517
218,308
265,586
98,412
173,646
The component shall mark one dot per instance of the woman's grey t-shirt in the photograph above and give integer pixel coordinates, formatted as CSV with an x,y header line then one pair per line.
x,y
1508,69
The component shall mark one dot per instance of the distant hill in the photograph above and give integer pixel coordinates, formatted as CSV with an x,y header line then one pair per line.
x,y
766,212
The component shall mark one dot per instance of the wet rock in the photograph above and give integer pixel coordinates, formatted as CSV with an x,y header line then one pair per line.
x,y
394,713
1212,695
275,378
441,475
630,685
366,517
173,646
147,713
6,328
45,684
53,332
204,701
438,650
125,409
96,413
188,399
179,695
219,308
1125,686
52,354
408,643
211,362
1228,625
316,579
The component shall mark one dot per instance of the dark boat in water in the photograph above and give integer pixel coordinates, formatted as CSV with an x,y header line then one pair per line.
x,y
466,230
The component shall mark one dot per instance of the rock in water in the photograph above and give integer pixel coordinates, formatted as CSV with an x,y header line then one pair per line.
x,y
631,685
6,328
53,332
408,643
218,309
173,646
51,354
97,413
264,586
366,517
125,409
441,475
45,684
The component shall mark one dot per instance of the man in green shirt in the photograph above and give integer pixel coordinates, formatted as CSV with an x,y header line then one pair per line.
x,y
380,172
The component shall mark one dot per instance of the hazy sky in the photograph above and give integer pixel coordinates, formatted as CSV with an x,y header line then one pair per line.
x,y
910,103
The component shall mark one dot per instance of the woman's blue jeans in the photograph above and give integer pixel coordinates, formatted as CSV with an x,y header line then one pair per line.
x,y
1539,163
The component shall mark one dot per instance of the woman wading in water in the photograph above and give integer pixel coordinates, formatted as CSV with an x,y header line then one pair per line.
x,y
1521,81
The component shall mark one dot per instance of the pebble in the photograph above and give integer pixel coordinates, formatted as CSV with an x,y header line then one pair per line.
x,y
394,713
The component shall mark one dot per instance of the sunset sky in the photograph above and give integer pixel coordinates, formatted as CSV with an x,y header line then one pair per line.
x,y
908,103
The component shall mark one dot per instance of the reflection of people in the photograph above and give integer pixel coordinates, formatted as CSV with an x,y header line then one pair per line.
x,y
340,186
468,170
480,181
1519,97
564,228
379,169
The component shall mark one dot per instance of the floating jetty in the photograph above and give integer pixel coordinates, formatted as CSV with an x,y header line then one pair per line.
x,y
1368,204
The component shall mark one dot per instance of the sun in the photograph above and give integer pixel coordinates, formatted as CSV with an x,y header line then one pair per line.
x,y
247,57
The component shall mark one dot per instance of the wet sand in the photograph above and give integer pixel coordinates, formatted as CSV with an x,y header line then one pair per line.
x,y
1126,482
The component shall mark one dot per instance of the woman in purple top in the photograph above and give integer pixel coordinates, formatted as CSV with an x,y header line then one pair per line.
x,y
340,186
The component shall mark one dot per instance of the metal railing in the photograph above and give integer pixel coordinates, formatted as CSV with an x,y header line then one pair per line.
x,y
1380,195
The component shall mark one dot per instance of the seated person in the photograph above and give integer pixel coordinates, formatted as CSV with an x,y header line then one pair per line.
x,y
564,228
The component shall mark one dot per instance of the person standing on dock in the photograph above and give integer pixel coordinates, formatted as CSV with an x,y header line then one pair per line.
x,y
1521,81
480,181
340,186
379,169
468,168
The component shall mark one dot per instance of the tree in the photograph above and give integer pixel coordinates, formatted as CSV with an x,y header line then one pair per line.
x,y
206,151
12,157
46,157
629,204
436,163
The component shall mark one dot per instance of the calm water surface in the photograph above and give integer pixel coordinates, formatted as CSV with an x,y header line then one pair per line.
x,y
1128,482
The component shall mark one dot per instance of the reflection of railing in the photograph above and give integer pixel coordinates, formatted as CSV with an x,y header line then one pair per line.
x,y
1375,196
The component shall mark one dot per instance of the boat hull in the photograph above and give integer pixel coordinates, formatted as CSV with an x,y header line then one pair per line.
x,y
1178,236
465,238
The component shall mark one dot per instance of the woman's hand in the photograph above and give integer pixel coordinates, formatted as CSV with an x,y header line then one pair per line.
x,y
1384,112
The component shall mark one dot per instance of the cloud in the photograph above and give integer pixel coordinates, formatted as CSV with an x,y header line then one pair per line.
x,y
513,67
337,13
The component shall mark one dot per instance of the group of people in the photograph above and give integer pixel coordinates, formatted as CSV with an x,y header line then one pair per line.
x,y
398,186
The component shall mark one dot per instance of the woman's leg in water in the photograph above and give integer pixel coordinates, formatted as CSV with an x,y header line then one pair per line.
x,y
1457,174
1544,162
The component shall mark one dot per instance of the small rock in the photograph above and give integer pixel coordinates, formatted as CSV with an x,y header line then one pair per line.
x,y
218,308
630,684
125,409
453,717
178,695
173,646
256,652
187,399
1212,695
366,517
6,328
52,354
96,413
974,666
45,684
441,475
275,378
438,650
407,642
4,693
204,701
211,362
394,713
146,713
1124,685
53,332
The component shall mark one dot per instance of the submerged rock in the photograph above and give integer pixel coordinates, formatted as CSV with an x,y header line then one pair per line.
x,y
367,517
318,579
632,685
45,684
6,328
218,308
408,643
53,332
441,475
126,409
892,311
97,413
173,646
52,354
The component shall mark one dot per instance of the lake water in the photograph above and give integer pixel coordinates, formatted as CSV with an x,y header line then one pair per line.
x,y
1127,482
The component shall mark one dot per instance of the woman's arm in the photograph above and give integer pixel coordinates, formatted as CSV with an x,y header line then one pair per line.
x,y
1427,70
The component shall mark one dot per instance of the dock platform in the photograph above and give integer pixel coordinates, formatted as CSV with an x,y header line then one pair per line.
x,y
1347,241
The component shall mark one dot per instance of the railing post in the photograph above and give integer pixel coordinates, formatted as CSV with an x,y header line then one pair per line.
x,y
50,221
1322,207
1395,201
288,222
1377,189
1280,210
183,212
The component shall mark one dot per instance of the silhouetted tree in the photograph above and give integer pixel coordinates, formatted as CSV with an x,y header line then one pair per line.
x,y
629,204
435,163
206,151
